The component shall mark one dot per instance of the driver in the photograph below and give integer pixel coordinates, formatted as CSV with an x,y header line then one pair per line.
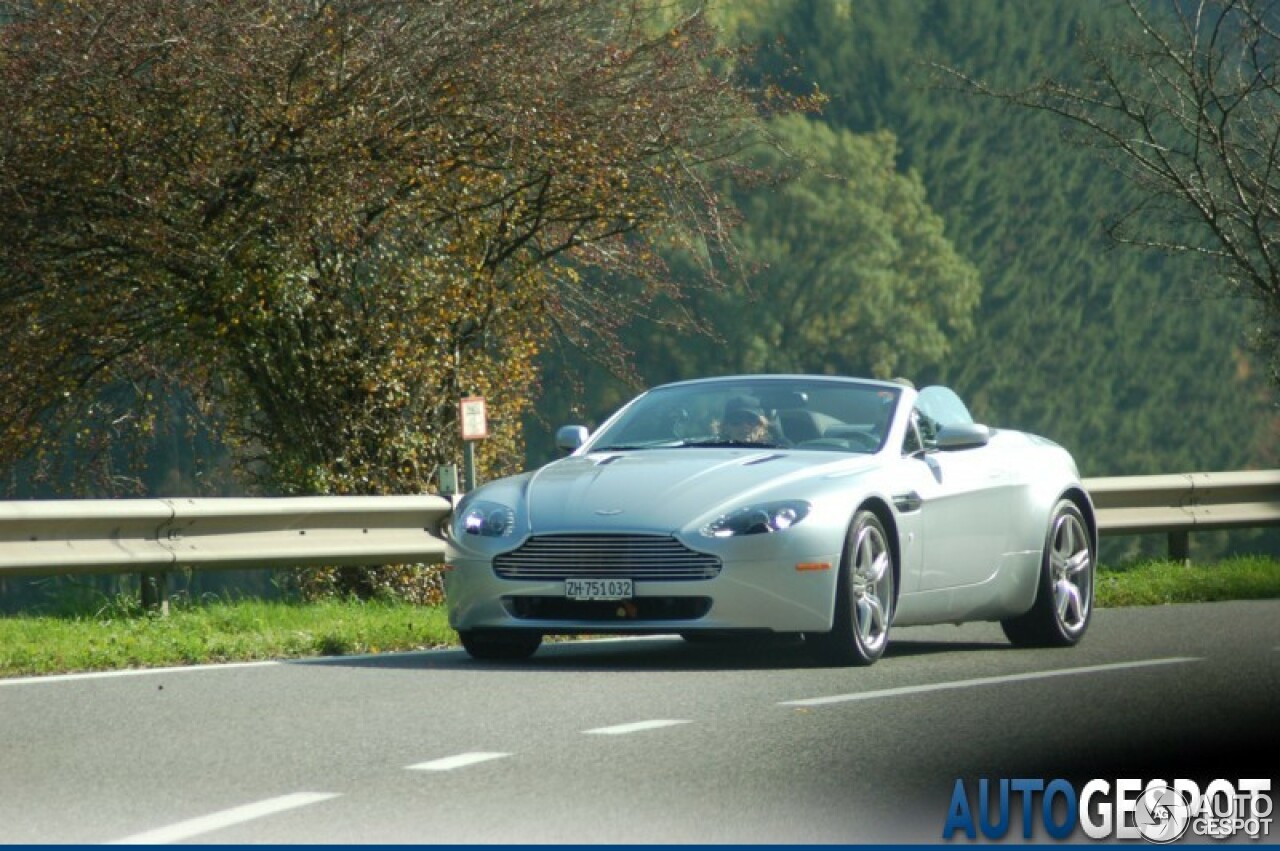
x,y
745,422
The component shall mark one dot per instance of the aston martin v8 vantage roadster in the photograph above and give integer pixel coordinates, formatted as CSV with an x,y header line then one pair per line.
x,y
828,508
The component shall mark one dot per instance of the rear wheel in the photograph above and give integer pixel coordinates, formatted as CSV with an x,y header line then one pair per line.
x,y
864,597
500,645
1064,597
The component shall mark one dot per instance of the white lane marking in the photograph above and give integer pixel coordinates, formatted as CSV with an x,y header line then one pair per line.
x,y
311,660
985,681
449,763
623,729
132,672
227,818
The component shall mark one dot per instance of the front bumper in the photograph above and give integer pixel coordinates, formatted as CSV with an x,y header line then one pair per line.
x,y
758,588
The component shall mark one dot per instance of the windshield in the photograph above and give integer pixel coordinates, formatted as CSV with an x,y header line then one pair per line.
x,y
832,415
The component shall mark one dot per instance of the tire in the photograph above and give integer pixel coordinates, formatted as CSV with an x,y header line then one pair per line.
x,y
497,645
1064,596
865,596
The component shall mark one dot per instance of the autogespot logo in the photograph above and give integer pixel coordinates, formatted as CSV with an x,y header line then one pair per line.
x,y
1157,811
1162,814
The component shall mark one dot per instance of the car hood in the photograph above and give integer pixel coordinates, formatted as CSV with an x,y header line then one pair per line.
x,y
668,489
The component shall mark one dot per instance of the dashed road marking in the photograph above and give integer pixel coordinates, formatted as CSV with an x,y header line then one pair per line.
x,y
227,818
623,729
985,681
449,763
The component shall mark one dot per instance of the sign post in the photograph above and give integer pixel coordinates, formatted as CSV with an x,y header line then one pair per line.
x,y
475,426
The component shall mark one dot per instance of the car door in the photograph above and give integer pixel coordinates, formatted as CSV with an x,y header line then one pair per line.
x,y
964,499
965,514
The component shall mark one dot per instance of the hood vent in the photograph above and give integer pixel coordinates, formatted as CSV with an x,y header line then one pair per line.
x,y
774,456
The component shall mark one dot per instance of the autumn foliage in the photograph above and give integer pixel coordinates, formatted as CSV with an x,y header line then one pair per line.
x,y
321,223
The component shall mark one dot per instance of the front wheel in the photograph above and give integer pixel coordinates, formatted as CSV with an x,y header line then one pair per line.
x,y
1064,597
498,645
864,597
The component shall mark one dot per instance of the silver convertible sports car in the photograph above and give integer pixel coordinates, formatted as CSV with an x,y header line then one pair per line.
x,y
828,508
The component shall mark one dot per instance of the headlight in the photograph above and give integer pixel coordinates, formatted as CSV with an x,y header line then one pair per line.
x,y
488,519
758,519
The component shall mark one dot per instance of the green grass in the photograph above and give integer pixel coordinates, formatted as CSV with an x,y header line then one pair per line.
x,y
122,636
118,634
1155,583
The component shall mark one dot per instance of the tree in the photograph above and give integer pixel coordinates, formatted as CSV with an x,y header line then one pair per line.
x,y
849,270
1185,102
324,222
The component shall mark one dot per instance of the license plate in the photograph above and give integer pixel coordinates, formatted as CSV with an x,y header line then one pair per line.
x,y
599,589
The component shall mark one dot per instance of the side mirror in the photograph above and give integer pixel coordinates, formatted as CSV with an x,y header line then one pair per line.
x,y
965,436
570,437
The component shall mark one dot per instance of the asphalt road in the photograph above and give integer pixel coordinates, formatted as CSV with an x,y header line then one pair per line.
x,y
635,741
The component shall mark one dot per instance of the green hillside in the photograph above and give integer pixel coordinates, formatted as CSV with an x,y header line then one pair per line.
x,y
1124,357
1128,359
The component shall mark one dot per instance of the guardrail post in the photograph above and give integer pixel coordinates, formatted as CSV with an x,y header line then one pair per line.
x,y
1180,547
155,592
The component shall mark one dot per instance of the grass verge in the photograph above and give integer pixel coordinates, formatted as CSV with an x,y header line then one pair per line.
x,y
120,635
1155,583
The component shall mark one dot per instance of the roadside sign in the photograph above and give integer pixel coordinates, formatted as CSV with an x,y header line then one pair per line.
x,y
475,423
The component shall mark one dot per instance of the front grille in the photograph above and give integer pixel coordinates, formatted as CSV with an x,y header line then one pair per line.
x,y
654,558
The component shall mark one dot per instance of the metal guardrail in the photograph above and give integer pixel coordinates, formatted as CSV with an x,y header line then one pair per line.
x,y
155,535
119,536
1183,503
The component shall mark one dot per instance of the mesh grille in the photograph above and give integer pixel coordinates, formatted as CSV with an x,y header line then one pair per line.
x,y
640,557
